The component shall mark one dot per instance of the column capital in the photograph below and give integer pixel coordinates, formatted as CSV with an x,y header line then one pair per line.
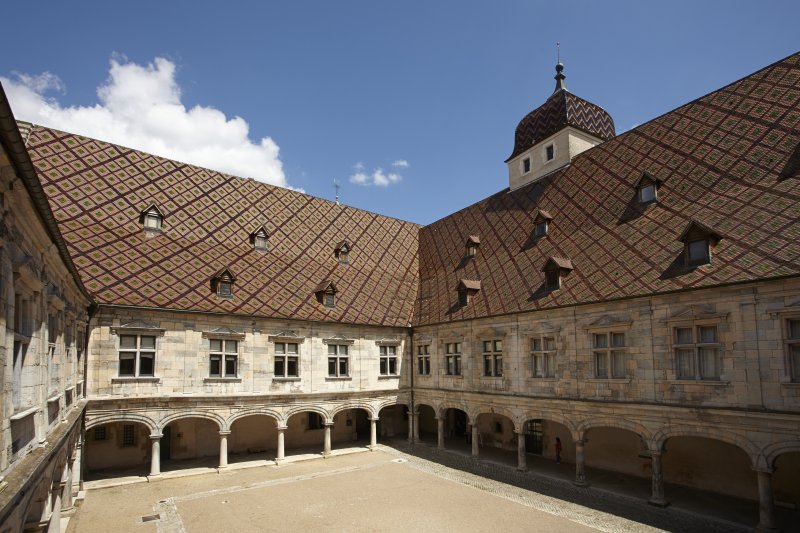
x,y
224,433
375,419
156,436
282,428
763,470
328,424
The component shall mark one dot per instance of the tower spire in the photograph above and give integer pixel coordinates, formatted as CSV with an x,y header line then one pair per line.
x,y
560,85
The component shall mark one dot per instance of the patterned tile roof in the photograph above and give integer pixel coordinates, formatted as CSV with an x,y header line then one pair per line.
x,y
98,190
722,160
560,110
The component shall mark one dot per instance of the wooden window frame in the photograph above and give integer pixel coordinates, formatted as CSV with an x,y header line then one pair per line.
x,y
545,354
492,358
424,360
452,362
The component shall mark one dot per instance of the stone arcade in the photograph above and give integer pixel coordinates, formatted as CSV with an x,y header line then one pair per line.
x,y
635,295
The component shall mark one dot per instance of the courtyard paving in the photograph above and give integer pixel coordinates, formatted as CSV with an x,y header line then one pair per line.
x,y
389,489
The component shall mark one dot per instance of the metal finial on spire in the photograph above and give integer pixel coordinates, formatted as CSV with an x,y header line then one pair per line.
x,y
560,85
337,186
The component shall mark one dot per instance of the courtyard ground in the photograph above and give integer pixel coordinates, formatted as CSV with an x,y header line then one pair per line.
x,y
389,489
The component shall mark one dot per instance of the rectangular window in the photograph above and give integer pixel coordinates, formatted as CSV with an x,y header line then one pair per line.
x,y
697,352
287,360
609,359
541,228
526,165
550,152
543,357
338,360
128,435
100,433
493,358
224,355
424,360
137,355
793,347
698,252
647,193
388,360
453,359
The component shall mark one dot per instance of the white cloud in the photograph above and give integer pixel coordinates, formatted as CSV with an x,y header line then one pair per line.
x,y
401,163
359,178
140,106
378,177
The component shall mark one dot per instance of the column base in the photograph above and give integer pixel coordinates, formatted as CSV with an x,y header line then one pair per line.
x,y
580,483
525,469
153,477
658,502
219,468
279,462
766,528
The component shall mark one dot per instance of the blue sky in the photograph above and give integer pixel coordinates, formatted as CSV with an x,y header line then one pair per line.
x,y
427,92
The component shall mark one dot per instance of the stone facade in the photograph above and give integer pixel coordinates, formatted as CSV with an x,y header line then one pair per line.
x,y
43,324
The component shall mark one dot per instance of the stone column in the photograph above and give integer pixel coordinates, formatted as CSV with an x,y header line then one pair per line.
x,y
766,508
373,433
155,455
416,426
410,427
657,497
281,437
55,517
81,453
440,432
522,463
223,449
66,496
580,474
476,437
327,450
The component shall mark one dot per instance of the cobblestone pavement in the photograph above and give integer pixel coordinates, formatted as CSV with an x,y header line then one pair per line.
x,y
397,488
598,509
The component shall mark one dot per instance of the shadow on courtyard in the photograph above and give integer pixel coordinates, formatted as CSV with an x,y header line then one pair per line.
x,y
618,494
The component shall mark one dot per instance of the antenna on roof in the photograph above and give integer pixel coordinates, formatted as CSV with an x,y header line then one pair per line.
x,y
558,52
337,186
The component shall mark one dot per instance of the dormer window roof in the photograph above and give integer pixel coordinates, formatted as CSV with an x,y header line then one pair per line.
x,y
342,251
222,283
260,239
541,223
647,188
467,288
555,269
325,292
698,239
151,218
473,241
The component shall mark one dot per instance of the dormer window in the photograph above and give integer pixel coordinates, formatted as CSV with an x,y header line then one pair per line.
x,y
526,165
541,223
342,252
698,252
260,239
549,152
698,239
555,269
472,245
151,218
222,283
467,288
326,293
647,189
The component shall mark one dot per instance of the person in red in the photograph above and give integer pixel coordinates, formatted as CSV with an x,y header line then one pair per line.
x,y
558,450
